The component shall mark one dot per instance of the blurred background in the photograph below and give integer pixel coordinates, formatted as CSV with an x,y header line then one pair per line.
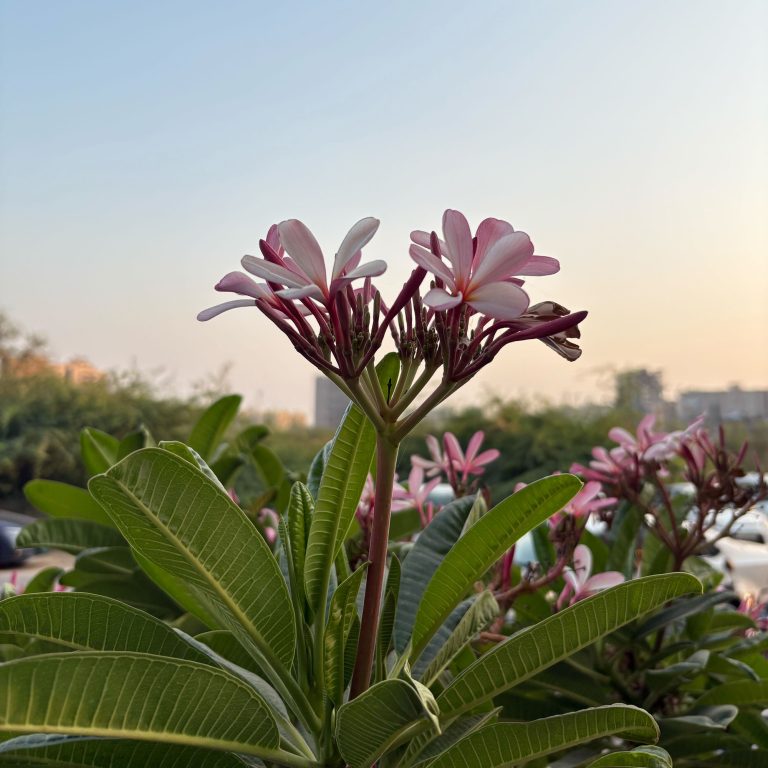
x,y
145,147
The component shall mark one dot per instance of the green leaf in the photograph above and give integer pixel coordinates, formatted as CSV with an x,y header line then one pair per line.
x,y
87,622
192,457
739,692
43,581
465,622
681,610
136,696
433,544
133,441
52,752
98,449
482,545
404,523
554,639
64,500
211,426
106,560
507,744
642,757
344,472
317,467
341,614
188,526
300,511
382,717
71,536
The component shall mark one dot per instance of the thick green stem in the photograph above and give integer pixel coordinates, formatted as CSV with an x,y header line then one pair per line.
x,y
386,460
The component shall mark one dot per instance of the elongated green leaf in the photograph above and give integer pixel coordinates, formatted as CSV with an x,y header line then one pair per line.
x,y
211,426
104,560
133,441
482,545
85,622
188,526
682,609
64,500
44,581
98,449
111,753
192,456
71,536
317,467
433,544
300,510
538,647
380,718
453,636
738,692
507,744
136,696
342,613
642,757
624,531
344,474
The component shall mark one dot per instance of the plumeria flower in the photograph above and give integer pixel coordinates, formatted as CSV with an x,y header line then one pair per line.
x,y
270,520
302,272
471,463
438,462
579,582
294,268
648,445
418,494
481,271
584,503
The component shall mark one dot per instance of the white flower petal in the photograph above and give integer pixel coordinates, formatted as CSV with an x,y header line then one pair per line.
x,y
440,300
308,291
207,314
505,258
458,237
300,243
431,263
370,269
356,239
274,273
503,301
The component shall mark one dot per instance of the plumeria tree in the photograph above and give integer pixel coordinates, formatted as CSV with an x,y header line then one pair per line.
x,y
271,662
475,306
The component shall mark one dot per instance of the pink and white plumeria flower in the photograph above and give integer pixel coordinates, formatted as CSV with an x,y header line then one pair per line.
x,y
481,271
579,582
302,272
472,462
294,268
437,464
588,500
418,494
648,445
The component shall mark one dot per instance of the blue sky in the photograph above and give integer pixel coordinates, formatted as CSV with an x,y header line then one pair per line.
x,y
145,146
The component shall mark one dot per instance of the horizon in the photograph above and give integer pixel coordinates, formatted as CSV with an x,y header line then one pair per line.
x,y
145,149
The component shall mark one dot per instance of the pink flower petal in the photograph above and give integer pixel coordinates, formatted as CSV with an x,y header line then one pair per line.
x,y
355,240
237,282
488,233
505,258
273,240
308,291
503,301
207,314
603,581
369,269
300,243
621,436
582,563
474,445
539,266
453,451
431,263
424,239
458,238
272,272
440,300
486,457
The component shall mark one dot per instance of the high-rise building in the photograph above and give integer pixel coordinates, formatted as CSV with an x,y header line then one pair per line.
x,y
734,404
330,403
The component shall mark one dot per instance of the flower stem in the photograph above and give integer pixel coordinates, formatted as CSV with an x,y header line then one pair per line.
x,y
386,460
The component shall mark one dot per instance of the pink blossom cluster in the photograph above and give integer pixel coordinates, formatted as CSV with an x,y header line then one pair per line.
x,y
474,306
447,458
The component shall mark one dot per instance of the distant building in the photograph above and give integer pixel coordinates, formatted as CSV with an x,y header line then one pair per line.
x,y
285,420
734,404
330,403
78,370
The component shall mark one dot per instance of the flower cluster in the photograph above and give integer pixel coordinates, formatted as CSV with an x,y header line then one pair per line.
x,y
474,306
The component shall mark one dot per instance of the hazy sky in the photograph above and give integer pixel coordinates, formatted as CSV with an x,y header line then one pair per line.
x,y
146,146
